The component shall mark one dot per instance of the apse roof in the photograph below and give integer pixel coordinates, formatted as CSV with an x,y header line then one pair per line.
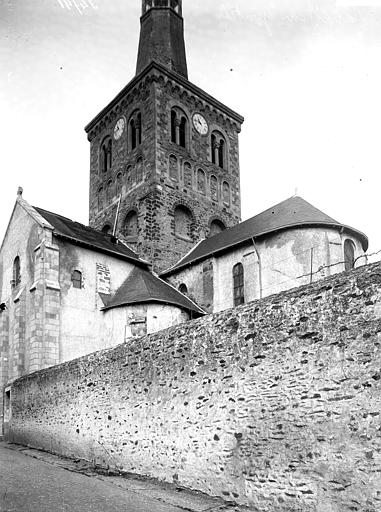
x,y
88,237
291,213
141,287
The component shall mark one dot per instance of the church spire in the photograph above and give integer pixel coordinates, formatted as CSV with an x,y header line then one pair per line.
x,y
162,36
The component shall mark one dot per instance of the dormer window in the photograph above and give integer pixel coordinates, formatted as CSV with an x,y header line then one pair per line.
x,y
105,156
135,130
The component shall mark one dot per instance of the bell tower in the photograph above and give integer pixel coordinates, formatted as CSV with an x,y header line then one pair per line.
x,y
164,156
162,36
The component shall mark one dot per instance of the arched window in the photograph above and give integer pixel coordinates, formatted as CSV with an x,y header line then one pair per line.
x,y
183,222
105,156
139,170
132,134
221,154
214,188
131,224
183,289
213,146
110,190
16,271
179,127
349,254
238,285
100,198
76,279
173,168
201,181
106,229
216,226
173,126
135,130
133,176
129,177
119,183
187,175
226,193
183,131
218,149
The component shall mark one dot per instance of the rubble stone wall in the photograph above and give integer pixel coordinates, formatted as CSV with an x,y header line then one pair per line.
x,y
275,404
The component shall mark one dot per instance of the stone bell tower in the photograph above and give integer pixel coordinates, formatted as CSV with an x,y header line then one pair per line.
x,y
164,153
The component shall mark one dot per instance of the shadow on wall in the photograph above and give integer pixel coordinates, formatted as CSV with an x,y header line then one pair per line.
x,y
249,404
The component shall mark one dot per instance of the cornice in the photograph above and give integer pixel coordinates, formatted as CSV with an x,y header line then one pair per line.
x,y
156,72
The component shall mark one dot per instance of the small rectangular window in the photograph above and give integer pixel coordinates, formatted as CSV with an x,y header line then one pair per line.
x,y
76,279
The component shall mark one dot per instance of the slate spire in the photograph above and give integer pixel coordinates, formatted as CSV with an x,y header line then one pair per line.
x,y
162,36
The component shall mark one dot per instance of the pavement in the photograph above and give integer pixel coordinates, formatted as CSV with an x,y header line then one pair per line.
x,y
35,481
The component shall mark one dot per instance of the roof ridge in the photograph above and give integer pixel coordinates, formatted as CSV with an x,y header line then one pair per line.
x,y
56,214
178,291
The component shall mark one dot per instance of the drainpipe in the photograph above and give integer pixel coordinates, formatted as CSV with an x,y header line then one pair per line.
x,y
259,268
312,265
116,216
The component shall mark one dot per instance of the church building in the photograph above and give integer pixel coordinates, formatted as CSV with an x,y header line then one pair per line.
x,y
165,242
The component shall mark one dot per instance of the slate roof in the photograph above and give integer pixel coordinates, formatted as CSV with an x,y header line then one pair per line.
x,y
294,212
88,237
141,287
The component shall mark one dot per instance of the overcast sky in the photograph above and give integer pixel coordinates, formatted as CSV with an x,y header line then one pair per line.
x,y
305,74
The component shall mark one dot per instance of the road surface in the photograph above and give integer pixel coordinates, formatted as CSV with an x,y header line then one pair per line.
x,y
32,485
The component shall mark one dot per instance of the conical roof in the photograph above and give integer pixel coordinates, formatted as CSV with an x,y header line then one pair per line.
x,y
291,213
143,287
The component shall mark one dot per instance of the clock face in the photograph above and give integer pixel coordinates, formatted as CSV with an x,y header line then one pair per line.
x,y
199,122
119,128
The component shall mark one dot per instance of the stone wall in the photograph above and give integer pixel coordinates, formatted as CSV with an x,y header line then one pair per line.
x,y
275,404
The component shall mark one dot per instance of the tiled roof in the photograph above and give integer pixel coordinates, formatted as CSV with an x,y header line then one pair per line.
x,y
87,237
294,212
141,287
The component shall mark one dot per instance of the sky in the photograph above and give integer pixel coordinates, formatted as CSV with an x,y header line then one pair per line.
x,y
305,74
